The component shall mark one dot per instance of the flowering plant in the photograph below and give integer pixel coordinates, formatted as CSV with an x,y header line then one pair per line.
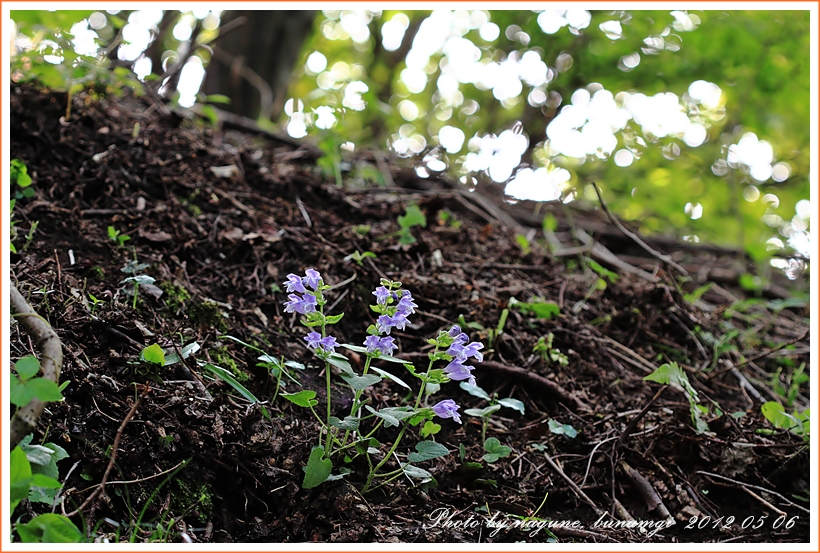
x,y
353,436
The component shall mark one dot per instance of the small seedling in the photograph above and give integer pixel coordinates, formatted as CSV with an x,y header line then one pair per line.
x,y
562,429
117,237
524,244
798,423
359,257
495,450
446,217
671,374
544,348
413,216
539,307
494,405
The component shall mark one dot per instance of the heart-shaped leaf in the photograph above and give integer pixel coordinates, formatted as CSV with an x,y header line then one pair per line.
x,y
427,450
318,468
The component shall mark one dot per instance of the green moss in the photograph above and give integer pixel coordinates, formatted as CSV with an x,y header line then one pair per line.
x,y
198,497
222,358
175,296
207,314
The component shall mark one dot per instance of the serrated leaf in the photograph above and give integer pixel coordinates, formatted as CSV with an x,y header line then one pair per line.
x,y
305,398
389,420
333,319
27,367
511,403
476,391
349,423
317,470
395,379
426,451
359,383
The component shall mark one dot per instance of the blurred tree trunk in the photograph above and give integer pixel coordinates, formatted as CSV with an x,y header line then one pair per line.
x,y
253,64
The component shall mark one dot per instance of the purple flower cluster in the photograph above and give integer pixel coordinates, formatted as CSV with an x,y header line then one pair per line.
x,y
405,307
315,342
384,344
461,350
307,302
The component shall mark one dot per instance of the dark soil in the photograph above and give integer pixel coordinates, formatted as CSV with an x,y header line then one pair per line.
x,y
220,247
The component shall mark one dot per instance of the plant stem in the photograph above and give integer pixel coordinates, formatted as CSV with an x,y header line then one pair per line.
x,y
401,432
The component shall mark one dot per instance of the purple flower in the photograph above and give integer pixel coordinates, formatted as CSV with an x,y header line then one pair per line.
x,y
313,339
387,345
312,278
294,284
455,331
456,371
303,305
406,304
384,324
461,352
381,294
328,344
447,409
372,343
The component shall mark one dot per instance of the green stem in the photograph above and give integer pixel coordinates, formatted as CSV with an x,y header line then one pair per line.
x,y
401,432
358,394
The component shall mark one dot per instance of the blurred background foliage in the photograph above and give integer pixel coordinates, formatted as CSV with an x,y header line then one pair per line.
x,y
694,123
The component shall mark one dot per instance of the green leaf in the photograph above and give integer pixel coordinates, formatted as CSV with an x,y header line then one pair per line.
x,y
317,470
565,429
395,379
49,528
153,354
413,216
226,375
495,450
476,391
389,420
357,349
359,383
415,472
302,399
430,428
511,403
186,352
19,394
333,319
341,363
20,476
44,389
482,412
545,310
427,450
27,367
217,99
349,423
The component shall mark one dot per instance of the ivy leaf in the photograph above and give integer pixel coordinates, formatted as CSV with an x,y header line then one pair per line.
x,y
359,383
427,450
305,398
318,468
349,423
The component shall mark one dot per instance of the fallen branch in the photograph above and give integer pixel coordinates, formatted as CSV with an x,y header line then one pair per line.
x,y
48,343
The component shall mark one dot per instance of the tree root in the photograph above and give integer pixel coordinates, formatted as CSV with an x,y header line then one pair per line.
x,y
51,352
